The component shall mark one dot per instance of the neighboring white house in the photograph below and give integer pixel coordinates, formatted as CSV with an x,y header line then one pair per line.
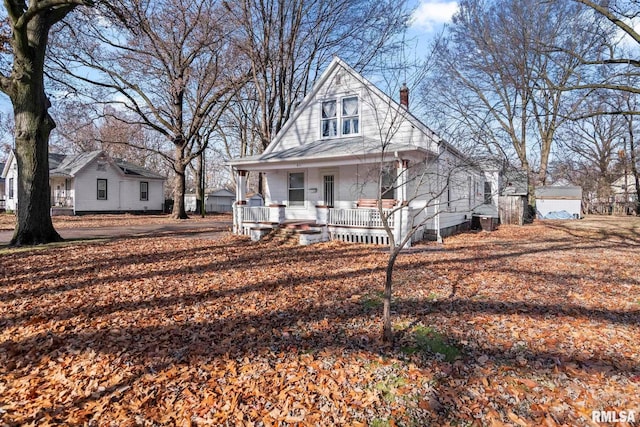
x,y
219,200
93,182
559,202
322,169
624,189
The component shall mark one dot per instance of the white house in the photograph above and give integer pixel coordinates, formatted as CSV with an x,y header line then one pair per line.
x,y
559,202
347,143
93,182
624,189
219,200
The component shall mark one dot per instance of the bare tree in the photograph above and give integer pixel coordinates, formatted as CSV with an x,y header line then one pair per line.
x,y
289,42
498,74
592,143
29,26
428,180
166,65
624,66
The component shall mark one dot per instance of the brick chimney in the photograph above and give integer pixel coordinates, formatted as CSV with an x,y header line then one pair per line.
x,y
404,96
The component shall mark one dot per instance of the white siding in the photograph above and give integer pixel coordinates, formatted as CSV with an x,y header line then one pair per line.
x,y
12,177
123,192
545,206
375,114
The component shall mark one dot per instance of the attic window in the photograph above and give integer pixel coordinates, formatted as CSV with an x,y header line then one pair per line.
x,y
350,115
329,119
102,166
341,121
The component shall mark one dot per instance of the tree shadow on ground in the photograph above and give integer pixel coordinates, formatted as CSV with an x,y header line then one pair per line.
x,y
308,305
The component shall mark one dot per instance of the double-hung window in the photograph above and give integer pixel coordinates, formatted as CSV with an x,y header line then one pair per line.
x,y
350,116
329,119
144,190
102,189
340,117
11,188
296,189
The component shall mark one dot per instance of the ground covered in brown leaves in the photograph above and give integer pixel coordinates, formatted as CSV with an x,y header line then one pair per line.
x,y
534,325
8,220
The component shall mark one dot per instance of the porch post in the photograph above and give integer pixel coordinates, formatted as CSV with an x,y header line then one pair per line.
x,y
403,172
241,186
238,205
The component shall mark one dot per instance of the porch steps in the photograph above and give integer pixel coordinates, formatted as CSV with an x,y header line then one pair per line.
x,y
296,233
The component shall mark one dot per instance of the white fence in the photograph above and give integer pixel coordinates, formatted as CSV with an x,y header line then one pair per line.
x,y
359,217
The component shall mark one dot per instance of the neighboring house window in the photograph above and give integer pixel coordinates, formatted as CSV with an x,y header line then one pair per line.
x,y
296,189
350,122
144,190
11,188
329,119
102,189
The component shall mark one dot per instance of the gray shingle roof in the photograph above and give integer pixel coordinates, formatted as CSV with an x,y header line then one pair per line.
x,y
324,149
559,192
69,165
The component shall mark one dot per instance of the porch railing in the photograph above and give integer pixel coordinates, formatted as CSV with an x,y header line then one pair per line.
x,y
359,217
255,214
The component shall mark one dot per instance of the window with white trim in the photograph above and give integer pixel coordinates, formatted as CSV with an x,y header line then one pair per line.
x,y
388,182
102,189
296,189
340,117
350,117
329,119
144,190
11,188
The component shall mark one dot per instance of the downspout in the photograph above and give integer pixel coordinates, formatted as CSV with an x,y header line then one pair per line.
x,y
437,218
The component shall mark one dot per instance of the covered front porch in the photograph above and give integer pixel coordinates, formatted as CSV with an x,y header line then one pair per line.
x,y
327,202
357,225
62,195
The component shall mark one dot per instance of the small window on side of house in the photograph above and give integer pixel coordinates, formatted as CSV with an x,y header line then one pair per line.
x,y
11,188
144,190
488,198
102,189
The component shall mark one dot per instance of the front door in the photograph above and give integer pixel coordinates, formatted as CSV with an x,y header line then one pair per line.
x,y
328,189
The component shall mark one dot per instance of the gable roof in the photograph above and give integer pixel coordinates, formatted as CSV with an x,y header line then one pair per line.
x,y
340,147
70,165
568,192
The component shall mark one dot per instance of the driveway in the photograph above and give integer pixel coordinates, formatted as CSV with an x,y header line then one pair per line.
x,y
201,229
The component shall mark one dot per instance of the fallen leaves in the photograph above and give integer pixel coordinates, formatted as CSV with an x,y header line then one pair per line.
x,y
535,325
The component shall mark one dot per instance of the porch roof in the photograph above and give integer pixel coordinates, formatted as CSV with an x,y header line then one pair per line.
x,y
326,152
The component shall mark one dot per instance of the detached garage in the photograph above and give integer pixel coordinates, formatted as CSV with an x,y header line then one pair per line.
x,y
559,202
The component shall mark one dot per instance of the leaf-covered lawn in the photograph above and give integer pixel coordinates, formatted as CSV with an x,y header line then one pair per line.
x,y
534,325
8,220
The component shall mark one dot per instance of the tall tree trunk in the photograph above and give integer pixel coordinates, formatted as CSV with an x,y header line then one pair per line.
x,y
180,167
198,178
32,128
